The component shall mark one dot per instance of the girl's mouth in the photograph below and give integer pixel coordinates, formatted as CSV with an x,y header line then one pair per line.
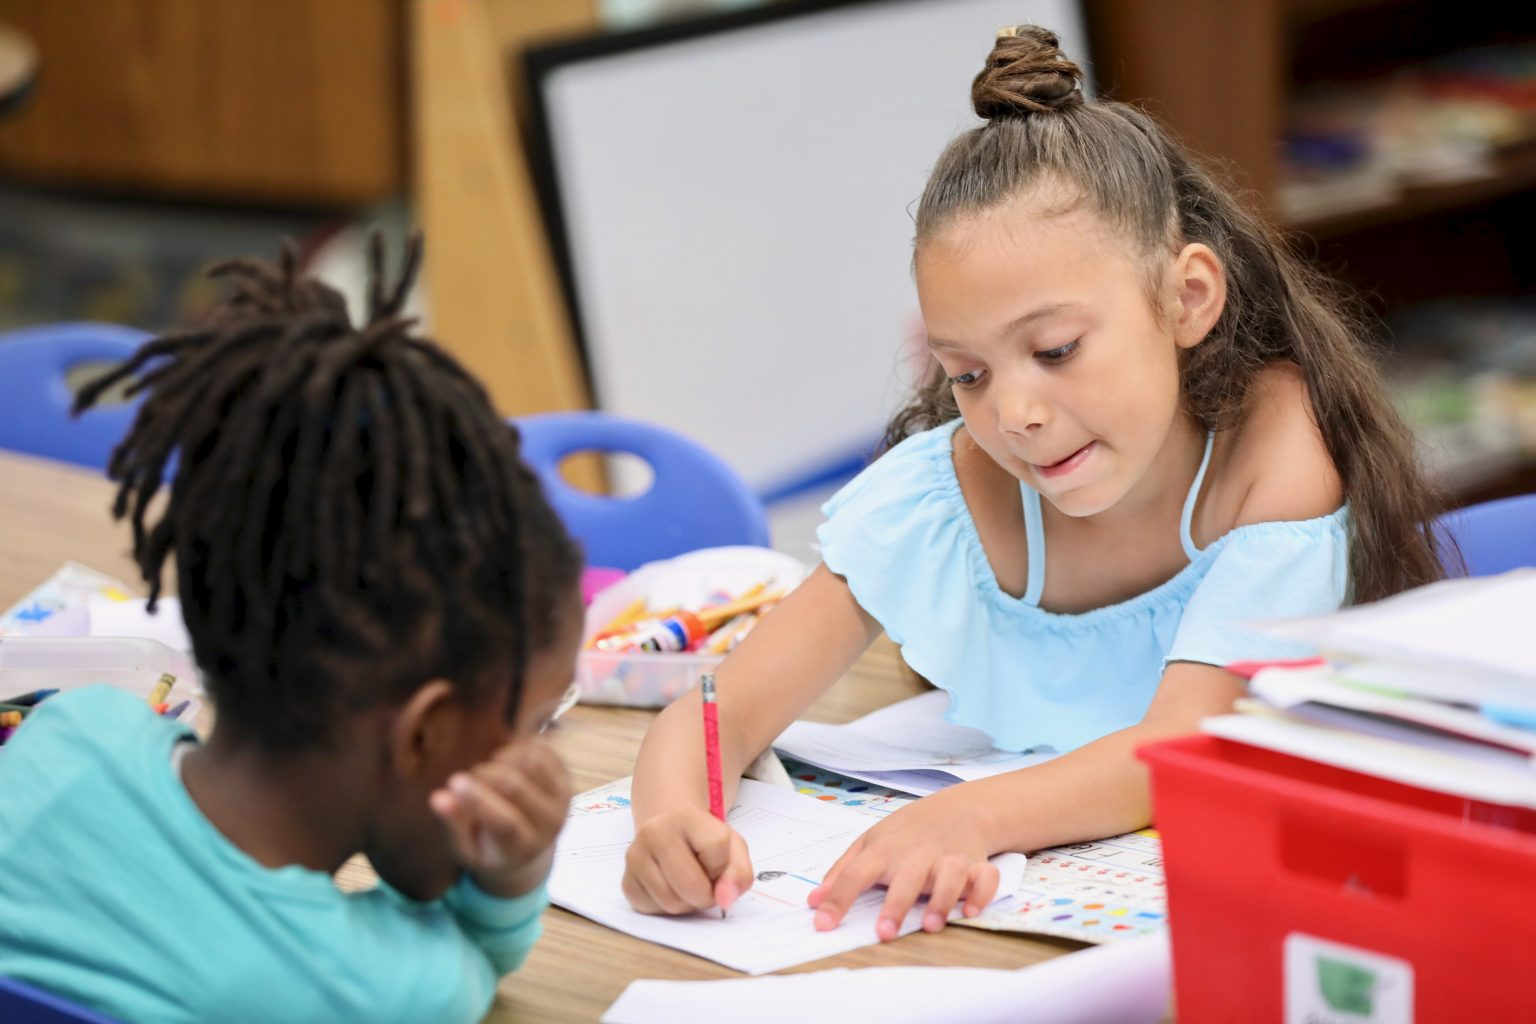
x,y
1069,463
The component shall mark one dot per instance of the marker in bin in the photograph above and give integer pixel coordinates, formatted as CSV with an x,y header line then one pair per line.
x,y
683,630
674,633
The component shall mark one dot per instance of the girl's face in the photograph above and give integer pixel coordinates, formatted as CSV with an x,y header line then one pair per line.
x,y
1065,373
412,850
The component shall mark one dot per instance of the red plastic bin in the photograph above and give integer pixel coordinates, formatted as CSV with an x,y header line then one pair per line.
x,y
1260,846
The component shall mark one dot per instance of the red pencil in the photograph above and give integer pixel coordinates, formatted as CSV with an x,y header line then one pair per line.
x,y
712,748
712,745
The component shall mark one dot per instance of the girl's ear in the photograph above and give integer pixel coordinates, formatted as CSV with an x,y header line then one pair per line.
x,y
1200,283
422,731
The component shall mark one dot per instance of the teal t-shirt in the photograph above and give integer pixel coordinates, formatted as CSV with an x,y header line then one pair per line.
x,y
118,894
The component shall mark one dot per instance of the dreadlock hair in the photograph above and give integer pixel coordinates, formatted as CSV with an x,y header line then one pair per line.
x,y
1040,130
349,515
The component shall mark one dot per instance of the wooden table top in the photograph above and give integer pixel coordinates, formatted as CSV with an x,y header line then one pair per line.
x,y
52,513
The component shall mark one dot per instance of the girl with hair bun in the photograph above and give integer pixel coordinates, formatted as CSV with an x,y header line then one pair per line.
x,y
1147,424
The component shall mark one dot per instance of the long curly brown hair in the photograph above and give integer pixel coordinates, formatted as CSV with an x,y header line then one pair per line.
x,y
1041,129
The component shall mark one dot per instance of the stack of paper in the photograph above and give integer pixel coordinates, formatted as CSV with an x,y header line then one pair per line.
x,y
906,746
1434,688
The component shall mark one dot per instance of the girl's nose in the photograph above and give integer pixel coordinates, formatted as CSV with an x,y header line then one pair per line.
x,y
1021,409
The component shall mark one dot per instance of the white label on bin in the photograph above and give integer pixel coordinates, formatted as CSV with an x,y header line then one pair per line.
x,y
1329,983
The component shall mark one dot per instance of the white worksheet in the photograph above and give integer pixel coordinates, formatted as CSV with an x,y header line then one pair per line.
x,y
793,842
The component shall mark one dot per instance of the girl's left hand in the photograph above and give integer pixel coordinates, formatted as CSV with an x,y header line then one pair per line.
x,y
932,846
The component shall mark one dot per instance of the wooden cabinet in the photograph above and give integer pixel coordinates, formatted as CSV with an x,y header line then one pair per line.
x,y
291,102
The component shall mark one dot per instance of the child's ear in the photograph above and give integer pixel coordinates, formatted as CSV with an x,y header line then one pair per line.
x,y
423,730
1201,286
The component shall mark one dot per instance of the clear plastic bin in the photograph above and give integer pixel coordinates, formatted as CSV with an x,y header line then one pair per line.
x,y
134,664
640,679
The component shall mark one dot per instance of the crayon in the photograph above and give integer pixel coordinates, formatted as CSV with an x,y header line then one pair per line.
x,y
162,689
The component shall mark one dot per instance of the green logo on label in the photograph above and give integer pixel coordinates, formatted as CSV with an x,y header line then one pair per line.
x,y
1346,987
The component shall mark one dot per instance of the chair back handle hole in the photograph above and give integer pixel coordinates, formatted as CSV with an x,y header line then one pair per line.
x,y
82,373
619,474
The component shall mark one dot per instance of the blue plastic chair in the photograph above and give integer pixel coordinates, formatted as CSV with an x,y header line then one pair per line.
x,y
1494,536
695,500
20,1003
35,399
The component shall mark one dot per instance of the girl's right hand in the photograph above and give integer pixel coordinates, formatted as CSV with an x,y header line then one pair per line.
x,y
685,859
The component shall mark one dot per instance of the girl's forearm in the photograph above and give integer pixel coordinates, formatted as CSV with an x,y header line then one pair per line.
x,y
783,665
670,768
1098,790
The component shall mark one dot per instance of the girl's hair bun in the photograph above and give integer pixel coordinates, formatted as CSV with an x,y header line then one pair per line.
x,y
1026,73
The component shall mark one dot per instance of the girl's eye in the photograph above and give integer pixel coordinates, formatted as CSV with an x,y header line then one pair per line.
x,y
1058,355
965,380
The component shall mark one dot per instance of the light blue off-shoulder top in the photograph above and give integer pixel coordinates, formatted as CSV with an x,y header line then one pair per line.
x,y
901,535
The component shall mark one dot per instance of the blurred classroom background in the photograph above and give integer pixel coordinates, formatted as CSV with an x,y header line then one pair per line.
x,y
142,139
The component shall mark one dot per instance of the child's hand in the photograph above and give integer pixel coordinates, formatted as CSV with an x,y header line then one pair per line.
x,y
685,860
932,846
504,814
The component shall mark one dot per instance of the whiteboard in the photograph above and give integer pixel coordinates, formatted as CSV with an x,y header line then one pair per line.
x,y
737,211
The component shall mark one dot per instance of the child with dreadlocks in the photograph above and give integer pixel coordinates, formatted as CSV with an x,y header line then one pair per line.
x,y
385,610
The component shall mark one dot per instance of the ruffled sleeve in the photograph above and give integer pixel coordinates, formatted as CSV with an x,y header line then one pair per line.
x,y
1264,571
895,533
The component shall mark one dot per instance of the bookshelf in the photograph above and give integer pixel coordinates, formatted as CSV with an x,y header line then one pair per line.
x,y
1233,80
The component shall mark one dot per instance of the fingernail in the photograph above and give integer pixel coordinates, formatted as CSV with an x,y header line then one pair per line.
x,y
824,922
814,899
459,783
726,894
490,853
932,923
886,929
